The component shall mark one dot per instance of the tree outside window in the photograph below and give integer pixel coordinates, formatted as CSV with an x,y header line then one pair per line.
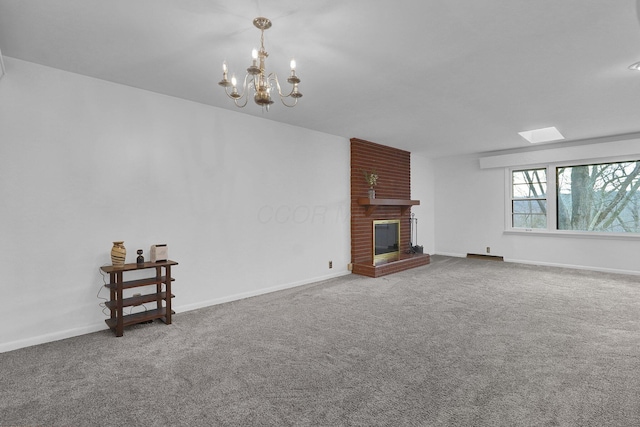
x,y
600,197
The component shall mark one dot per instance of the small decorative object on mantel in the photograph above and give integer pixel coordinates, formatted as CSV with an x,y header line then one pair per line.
x,y
372,180
140,259
118,254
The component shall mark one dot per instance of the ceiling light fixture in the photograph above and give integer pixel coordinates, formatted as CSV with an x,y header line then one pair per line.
x,y
257,80
549,134
635,67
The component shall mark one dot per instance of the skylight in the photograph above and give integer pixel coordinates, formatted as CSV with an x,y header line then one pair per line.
x,y
549,134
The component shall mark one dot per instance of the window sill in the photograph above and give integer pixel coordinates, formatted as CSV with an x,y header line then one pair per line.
x,y
573,234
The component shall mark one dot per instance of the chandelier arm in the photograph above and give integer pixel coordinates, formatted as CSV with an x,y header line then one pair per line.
x,y
282,98
244,94
235,100
273,77
226,91
246,99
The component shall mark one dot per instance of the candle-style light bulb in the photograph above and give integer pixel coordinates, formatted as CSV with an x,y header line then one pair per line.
x,y
225,80
293,64
254,54
233,80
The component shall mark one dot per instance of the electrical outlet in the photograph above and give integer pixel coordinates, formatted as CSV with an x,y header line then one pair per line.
x,y
488,249
330,264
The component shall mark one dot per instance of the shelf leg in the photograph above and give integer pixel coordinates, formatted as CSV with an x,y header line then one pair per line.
x,y
167,287
119,309
112,294
158,288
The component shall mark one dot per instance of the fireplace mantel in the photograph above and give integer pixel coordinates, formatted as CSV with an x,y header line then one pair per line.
x,y
372,204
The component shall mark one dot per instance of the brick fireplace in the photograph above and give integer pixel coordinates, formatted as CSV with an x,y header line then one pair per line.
x,y
392,202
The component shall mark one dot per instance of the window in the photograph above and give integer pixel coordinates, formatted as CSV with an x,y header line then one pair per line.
x,y
529,198
599,197
602,197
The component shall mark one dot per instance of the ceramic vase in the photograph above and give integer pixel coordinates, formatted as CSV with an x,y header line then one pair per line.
x,y
372,193
118,254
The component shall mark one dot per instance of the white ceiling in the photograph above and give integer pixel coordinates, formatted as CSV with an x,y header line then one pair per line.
x,y
436,77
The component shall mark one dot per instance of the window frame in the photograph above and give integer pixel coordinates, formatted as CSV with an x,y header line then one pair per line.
x,y
513,198
552,194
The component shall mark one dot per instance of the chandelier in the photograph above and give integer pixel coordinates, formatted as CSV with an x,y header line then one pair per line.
x,y
257,81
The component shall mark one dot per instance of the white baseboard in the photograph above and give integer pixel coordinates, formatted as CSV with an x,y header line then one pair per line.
x,y
54,336
243,295
576,267
554,264
451,254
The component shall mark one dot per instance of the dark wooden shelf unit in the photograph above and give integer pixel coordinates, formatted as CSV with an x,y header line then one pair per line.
x,y
372,204
117,319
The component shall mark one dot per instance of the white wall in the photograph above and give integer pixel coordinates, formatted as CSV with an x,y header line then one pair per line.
x,y
246,205
470,215
423,189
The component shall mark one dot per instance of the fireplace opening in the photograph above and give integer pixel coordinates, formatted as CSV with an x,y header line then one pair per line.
x,y
386,241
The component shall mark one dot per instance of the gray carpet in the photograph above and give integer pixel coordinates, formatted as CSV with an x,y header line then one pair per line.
x,y
459,342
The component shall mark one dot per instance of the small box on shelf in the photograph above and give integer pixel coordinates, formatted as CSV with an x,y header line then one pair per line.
x,y
159,253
